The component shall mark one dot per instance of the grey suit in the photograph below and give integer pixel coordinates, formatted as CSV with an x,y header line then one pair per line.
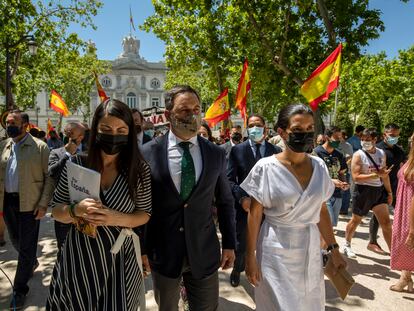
x,y
227,148
57,161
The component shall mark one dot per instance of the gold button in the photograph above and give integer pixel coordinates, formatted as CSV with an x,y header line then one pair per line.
x,y
181,229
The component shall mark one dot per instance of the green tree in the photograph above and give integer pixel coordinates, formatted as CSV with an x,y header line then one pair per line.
x,y
369,117
343,121
401,113
58,50
284,41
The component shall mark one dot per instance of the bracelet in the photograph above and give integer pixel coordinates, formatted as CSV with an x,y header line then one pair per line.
x,y
332,247
72,210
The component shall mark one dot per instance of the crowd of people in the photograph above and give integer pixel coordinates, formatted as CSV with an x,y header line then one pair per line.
x,y
163,195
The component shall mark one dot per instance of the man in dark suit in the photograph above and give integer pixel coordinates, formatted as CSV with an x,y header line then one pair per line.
x,y
142,138
188,172
241,160
57,161
235,138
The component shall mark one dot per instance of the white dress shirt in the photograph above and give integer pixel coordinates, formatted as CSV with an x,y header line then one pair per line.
x,y
140,139
175,154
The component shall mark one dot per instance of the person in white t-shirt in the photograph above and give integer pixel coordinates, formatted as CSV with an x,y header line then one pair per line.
x,y
372,188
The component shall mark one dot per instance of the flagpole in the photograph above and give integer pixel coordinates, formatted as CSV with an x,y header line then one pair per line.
x,y
336,103
130,27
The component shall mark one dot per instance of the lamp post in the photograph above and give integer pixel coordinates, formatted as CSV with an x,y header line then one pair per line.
x,y
32,45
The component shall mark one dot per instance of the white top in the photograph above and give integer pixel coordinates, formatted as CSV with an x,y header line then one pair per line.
x,y
175,154
278,190
367,167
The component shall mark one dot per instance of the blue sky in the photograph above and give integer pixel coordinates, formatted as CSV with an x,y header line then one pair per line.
x,y
113,24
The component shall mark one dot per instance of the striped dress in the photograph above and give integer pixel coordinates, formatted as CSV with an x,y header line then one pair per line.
x,y
87,276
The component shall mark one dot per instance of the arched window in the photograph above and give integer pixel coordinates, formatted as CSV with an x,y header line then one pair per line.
x,y
131,100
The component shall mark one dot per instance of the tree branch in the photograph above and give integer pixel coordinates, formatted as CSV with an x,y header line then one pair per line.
x,y
323,11
277,61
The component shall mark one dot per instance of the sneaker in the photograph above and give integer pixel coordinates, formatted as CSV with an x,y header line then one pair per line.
x,y
17,301
348,252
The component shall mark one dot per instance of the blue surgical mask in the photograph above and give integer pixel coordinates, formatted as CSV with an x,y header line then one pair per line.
x,y
256,133
392,140
150,133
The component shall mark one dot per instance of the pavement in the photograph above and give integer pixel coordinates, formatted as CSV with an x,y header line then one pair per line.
x,y
370,271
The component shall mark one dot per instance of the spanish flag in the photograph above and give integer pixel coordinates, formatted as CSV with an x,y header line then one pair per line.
x,y
219,110
49,127
323,80
57,104
101,92
131,20
242,90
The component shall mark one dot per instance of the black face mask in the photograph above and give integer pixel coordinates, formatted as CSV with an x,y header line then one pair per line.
x,y
300,142
111,144
13,131
236,137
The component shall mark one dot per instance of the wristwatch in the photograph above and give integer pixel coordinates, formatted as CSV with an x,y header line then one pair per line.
x,y
332,247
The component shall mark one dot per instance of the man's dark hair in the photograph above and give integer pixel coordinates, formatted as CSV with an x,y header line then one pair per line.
x,y
34,132
257,116
24,115
135,110
391,126
372,132
175,91
331,130
359,129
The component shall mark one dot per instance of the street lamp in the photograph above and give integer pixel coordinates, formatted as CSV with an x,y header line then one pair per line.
x,y
32,45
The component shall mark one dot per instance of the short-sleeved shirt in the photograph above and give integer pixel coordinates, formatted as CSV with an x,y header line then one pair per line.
x,y
335,162
395,156
355,142
367,167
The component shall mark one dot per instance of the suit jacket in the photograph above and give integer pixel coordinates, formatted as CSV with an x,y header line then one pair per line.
x,y
241,161
35,185
57,161
179,229
227,148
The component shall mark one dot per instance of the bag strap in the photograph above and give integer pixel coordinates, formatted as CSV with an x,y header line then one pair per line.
x,y
372,160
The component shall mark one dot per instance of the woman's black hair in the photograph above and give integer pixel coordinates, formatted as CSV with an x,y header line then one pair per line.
x,y
209,133
288,112
130,159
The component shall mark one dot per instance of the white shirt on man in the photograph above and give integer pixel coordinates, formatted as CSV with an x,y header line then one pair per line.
x,y
175,155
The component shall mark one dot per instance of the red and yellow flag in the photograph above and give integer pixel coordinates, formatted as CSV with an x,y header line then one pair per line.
x,y
323,80
219,110
57,104
101,92
242,90
49,126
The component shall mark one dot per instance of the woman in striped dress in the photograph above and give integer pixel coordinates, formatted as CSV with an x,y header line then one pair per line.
x,y
105,272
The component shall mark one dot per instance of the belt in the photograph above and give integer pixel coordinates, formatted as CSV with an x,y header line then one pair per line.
x,y
126,232
12,194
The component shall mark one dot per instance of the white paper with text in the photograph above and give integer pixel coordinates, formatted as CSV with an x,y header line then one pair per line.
x,y
83,183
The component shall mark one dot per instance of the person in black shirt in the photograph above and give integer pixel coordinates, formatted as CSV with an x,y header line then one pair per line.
x,y
337,167
395,158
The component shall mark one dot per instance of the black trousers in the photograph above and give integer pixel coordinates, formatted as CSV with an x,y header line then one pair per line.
x,y
23,231
241,228
203,294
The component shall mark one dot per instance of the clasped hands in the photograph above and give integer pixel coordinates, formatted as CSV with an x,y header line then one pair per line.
x,y
95,212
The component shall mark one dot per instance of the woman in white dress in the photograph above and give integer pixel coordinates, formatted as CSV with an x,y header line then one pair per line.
x,y
291,189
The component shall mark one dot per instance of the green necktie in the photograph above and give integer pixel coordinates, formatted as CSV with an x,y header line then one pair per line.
x,y
187,171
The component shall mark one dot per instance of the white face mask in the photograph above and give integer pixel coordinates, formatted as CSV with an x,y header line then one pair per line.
x,y
367,145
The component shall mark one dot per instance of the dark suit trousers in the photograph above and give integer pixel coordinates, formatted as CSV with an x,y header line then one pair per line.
x,y
23,230
202,293
241,226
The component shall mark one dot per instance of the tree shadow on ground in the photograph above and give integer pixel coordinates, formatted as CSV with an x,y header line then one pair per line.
x,y
375,271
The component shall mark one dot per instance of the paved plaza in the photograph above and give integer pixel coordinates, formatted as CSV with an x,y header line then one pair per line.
x,y
371,272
